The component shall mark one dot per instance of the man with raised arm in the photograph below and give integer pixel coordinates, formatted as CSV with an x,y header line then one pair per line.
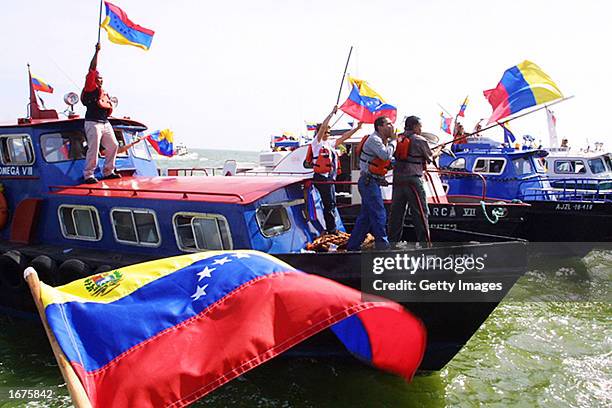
x,y
97,127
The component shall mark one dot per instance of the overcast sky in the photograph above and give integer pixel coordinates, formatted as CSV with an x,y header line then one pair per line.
x,y
228,74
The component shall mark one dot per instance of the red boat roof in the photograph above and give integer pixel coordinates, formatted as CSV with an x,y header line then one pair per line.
x,y
38,122
216,189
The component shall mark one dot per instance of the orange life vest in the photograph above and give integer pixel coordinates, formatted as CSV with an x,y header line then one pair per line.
x,y
376,166
402,152
322,163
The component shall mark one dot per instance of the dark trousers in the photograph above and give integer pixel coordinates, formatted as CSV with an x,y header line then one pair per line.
x,y
328,197
408,190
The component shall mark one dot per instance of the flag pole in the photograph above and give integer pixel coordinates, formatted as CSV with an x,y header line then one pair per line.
x,y
75,388
498,123
99,21
343,75
442,107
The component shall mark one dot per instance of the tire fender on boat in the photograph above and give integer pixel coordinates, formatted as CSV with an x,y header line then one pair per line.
x,y
3,208
12,265
46,269
72,269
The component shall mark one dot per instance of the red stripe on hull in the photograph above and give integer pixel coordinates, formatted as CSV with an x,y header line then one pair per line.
x,y
248,327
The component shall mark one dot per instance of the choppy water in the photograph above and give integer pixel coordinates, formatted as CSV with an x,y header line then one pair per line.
x,y
552,353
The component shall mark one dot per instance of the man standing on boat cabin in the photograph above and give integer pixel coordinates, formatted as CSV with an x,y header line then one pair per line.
x,y
325,166
374,152
411,158
97,127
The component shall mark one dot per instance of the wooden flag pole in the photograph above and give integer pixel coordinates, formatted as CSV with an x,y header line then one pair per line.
x,y
75,388
498,123
100,21
343,75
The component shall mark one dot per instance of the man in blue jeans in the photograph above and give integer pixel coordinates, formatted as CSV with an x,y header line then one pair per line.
x,y
379,147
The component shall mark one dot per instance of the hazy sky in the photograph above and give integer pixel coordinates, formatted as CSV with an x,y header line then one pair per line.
x,y
228,74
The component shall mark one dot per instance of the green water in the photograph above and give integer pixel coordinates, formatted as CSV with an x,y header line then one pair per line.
x,y
528,353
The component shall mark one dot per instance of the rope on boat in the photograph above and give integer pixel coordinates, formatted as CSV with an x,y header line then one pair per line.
x,y
497,213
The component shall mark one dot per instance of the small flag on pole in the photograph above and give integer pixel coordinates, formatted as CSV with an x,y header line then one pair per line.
x,y
162,141
40,85
463,107
508,135
121,30
446,123
365,104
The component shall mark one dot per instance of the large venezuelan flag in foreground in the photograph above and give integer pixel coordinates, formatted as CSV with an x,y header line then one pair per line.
x,y
169,331
365,104
162,141
121,30
521,86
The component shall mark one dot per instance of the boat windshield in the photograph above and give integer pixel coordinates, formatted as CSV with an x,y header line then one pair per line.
x,y
597,165
540,164
522,166
608,161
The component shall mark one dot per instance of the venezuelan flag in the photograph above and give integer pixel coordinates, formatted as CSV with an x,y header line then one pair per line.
x,y
365,104
463,107
40,85
121,30
168,332
445,125
162,141
521,86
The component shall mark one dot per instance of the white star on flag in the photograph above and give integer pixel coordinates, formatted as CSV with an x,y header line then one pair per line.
x,y
200,291
241,255
205,273
222,261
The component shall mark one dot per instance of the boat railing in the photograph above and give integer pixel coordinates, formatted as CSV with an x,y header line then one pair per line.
x,y
573,189
134,192
457,173
218,171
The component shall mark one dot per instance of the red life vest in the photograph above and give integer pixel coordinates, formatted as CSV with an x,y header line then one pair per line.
x,y
322,163
376,166
402,152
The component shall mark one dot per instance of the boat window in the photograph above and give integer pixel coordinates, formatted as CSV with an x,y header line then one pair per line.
x,y
489,165
458,164
597,165
135,226
541,165
80,222
608,161
16,150
273,220
569,167
201,232
120,140
140,149
64,146
522,166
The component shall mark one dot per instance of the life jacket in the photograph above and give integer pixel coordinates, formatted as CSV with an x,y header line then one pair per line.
x,y
402,152
376,166
322,163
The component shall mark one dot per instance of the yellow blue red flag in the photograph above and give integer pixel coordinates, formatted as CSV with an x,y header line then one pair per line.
x,y
121,30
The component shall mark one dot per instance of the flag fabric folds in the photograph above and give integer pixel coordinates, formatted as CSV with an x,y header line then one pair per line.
x,y
446,123
311,126
521,86
40,85
365,104
168,332
121,30
508,135
463,107
162,141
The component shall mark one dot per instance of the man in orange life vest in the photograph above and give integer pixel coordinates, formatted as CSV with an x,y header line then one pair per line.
x,y
97,127
375,153
325,166
411,157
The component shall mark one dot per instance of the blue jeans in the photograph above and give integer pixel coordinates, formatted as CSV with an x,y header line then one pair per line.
x,y
372,216
328,197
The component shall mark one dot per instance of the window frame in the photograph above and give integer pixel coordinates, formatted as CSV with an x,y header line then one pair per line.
x,y
216,217
488,159
79,207
284,206
44,136
573,163
29,145
452,164
132,211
